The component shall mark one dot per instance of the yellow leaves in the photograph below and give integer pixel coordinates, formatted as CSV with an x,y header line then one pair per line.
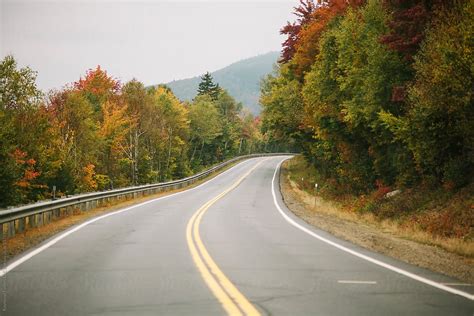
x,y
116,124
171,113
88,179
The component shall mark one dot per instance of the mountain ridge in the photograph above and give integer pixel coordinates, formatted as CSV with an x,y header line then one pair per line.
x,y
241,79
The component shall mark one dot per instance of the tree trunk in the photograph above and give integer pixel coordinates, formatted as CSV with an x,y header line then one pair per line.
x,y
132,165
135,173
194,152
200,154
169,152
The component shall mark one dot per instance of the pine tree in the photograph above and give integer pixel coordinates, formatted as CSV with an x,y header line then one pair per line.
x,y
207,86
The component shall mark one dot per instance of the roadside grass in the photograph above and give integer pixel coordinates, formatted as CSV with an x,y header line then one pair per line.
x,y
436,217
34,236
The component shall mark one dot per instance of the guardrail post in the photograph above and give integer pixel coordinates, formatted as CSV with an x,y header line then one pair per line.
x,y
11,229
21,224
56,213
32,221
46,217
39,220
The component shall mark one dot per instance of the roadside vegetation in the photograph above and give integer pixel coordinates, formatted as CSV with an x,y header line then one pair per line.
x,y
98,133
434,217
378,97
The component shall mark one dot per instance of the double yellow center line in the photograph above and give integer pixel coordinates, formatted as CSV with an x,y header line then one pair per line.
x,y
233,301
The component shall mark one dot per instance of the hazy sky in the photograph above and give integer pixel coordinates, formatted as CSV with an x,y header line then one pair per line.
x,y
153,41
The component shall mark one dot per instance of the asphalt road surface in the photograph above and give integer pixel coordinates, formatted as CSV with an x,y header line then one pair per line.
x,y
229,246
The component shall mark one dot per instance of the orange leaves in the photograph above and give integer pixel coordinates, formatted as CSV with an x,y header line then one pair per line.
x,y
98,82
307,46
98,87
26,168
88,179
19,156
302,43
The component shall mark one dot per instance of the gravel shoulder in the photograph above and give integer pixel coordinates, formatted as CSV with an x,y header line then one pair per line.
x,y
324,215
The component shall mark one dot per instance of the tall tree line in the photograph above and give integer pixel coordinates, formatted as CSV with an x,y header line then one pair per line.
x,y
98,134
377,92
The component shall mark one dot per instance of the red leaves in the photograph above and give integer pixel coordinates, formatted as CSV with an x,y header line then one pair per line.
x,y
407,27
98,83
301,44
398,93
304,13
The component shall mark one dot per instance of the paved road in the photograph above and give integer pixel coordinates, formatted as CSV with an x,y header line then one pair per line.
x,y
223,247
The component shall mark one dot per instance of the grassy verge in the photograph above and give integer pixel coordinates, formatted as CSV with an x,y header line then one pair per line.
x,y
434,217
34,236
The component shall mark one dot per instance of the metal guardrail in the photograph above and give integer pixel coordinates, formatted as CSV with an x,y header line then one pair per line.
x,y
18,219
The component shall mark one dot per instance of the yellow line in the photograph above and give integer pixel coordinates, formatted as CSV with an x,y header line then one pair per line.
x,y
222,288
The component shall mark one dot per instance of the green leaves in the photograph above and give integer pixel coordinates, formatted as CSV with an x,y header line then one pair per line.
x,y
440,121
98,134
208,87
368,120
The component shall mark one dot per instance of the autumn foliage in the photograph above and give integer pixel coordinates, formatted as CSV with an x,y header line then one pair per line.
x,y
377,91
98,134
301,45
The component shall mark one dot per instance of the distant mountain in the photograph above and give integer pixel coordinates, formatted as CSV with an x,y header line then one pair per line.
x,y
241,79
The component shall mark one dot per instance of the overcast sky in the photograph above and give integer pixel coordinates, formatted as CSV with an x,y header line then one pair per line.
x,y
153,41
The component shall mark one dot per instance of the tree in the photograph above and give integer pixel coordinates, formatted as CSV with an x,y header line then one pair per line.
x,y
20,138
304,12
207,86
282,104
229,110
301,47
139,105
97,134
205,126
18,89
114,132
348,86
169,138
438,125
97,86
77,142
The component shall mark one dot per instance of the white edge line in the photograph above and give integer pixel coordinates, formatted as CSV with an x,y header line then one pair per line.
x,y
362,256
36,251
356,282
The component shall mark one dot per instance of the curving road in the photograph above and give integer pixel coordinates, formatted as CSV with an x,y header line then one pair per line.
x,y
229,246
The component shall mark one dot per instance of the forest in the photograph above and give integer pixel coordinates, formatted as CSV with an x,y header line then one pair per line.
x,y
99,134
378,93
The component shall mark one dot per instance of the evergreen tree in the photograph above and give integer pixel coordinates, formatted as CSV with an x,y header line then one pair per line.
x,y
207,86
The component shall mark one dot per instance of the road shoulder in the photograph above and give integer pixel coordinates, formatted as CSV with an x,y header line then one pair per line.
x,y
324,215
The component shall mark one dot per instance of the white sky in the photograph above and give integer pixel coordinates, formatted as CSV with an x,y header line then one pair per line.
x,y
153,41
